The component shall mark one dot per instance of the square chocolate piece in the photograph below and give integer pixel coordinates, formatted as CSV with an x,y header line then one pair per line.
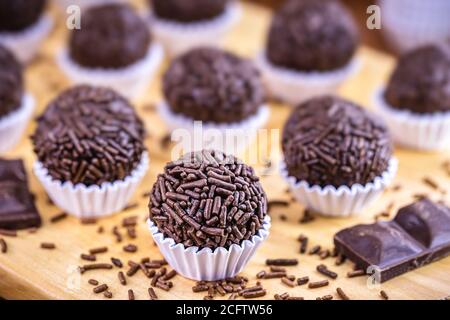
x,y
17,208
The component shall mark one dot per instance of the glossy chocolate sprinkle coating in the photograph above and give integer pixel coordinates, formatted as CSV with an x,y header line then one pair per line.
x,y
17,15
421,81
89,135
188,11
111,36
331,141
208,199
209,84
11,82
311,35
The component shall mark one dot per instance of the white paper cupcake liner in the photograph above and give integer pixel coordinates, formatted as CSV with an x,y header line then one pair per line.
x,y
178,38
294,87
25,44
426,132
407,24
230,138
92,201
206,264
83,4
13,125
129,81
343,201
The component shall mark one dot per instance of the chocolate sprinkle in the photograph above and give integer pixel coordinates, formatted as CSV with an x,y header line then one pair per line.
x,y
207,199
331,141
89,135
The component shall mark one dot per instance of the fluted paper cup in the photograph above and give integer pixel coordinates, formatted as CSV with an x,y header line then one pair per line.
x,y
230,138
343,201
25,44
14,124
178,37
206,264
413,130
93,201
83,4
294,87
408,24
130,81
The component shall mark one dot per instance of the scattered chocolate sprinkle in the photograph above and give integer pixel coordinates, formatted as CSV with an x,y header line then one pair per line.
x,y
131,231
283,217
101,288
170,275
261,274
295,298
323,269
384,295
130,221
130,248
254,294
318,284
117,234
281,262
165,140
131,295
133,269
326,297
8,233
272,275
88,220
356,273
98,250
342,294
117,262
277,269
303,280
130,206
88,257
93,282
288,282
276,203
307,217
58,217
152,294
3,246
95,266
100,229
314,250
48,245
340,260
430,182
107,294
324,254
122,279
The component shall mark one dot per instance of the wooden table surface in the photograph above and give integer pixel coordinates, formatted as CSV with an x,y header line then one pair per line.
x,y
28,272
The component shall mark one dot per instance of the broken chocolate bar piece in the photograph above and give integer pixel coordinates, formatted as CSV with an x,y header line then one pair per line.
x,y
419,235
17,208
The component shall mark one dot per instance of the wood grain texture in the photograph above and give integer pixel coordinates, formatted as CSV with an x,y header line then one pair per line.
x,y
28,272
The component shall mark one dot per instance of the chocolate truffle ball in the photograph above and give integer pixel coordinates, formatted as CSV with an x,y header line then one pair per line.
x,y
311,35
188,11
17,15
111,36
89,135
331,141
208,199
421,81
212,85
11,82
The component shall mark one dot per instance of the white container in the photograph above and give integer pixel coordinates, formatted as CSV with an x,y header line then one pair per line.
x,y
25,44
295,87
343,201
13,125
426,132
178,37
83,4
92,201
408,24
206,264
231,138
130,81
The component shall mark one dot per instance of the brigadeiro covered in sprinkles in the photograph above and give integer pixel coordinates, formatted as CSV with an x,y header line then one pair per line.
x,y
416,100
113,48
329,144
182,25
216,87
16,106
207,199
311,42
89,137
23,25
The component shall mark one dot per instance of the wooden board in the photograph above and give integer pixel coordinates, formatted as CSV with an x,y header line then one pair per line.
x,y
28,272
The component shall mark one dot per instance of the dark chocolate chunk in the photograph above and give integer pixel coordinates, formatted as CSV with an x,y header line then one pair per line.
x,y
311,35
89,135
420,83
216,219
188,11
331,141
17,15
208,84
419,235
11,81
111,36
17,208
